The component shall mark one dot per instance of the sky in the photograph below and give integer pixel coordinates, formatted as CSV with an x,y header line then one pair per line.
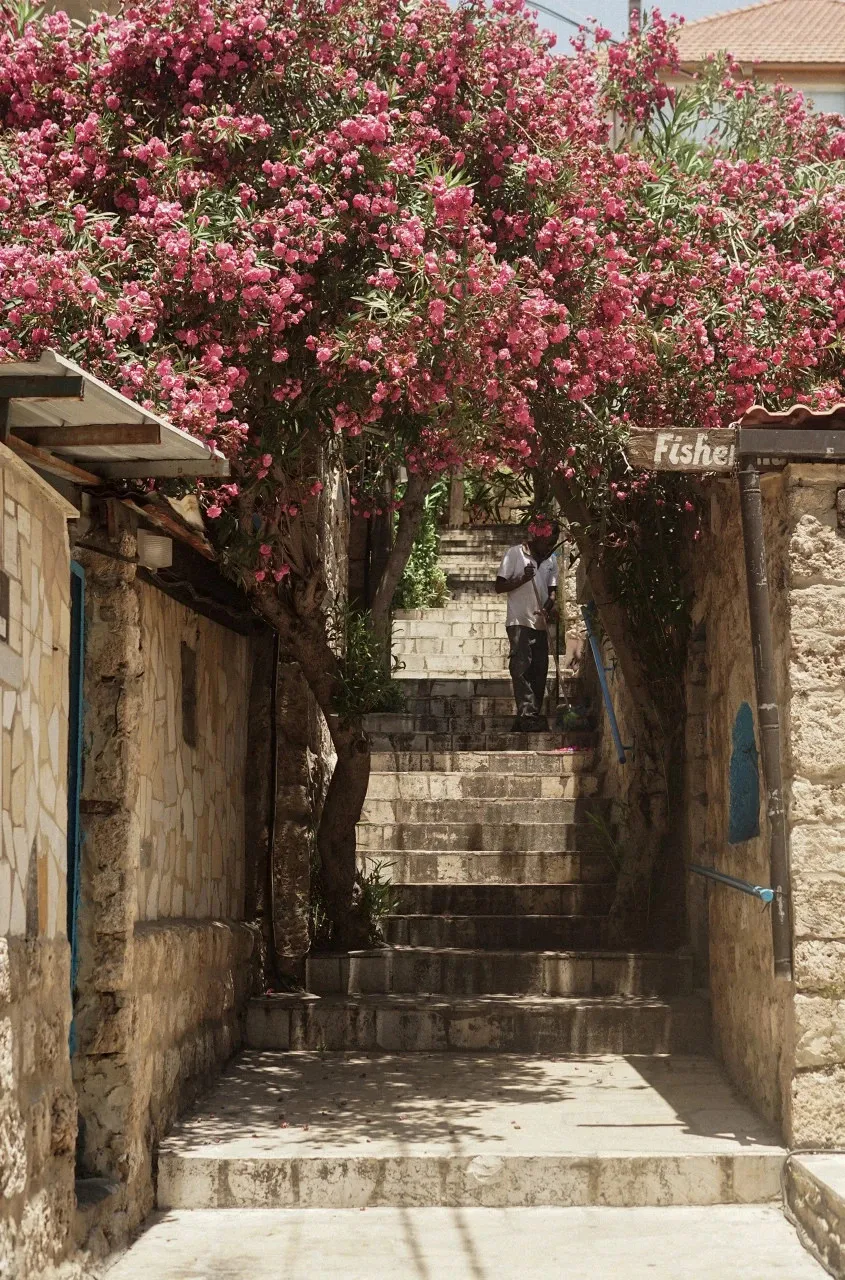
x,y
614,13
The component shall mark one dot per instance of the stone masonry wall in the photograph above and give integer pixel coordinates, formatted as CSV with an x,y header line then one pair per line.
x,y
783,1044
37,1105
751,1011
190,804
159,1000
815,497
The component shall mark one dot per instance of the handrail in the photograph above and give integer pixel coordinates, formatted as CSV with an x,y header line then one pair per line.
x,y
605,689
733,882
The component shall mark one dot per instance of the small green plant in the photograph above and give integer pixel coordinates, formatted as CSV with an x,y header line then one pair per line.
x,y
497,497
364,686
423,583
373,899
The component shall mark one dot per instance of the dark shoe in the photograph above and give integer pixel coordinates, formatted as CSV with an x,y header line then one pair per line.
x,y
533,724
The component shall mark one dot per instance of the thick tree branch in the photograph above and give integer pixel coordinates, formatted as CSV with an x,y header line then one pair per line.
x,y
410,517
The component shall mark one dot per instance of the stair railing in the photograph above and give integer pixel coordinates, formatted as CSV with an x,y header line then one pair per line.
x,y
602,670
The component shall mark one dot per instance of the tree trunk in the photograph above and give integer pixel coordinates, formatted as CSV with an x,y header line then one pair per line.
x,y
410,516
301,624
336,837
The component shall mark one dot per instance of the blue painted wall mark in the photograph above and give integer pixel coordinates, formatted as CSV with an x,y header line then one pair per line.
x,y
744,780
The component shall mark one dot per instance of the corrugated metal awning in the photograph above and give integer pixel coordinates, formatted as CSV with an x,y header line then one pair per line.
x,y
102,432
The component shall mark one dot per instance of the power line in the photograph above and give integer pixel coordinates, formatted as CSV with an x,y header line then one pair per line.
x,y
553,13
561,17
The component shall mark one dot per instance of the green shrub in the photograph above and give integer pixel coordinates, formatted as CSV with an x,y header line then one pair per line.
x,y
423,584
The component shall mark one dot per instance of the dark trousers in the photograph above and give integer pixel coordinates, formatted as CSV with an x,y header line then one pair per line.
x,y
529,667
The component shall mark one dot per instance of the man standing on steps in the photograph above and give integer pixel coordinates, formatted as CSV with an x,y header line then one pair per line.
x,y
528,576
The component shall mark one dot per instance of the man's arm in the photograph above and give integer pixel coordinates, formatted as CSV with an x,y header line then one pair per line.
x,y
506,585
508,579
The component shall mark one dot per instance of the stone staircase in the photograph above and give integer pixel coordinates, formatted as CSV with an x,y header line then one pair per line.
x,y
495,1053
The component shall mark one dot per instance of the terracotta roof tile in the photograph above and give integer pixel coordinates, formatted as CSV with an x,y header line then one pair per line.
x,y
783,32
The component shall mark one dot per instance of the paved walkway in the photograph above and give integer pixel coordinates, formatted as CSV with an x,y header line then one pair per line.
x,y
723,1242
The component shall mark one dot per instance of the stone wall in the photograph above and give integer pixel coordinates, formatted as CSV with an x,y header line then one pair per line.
x,y
815,509
165,958
751,1011
783,1043
37,1105
190,803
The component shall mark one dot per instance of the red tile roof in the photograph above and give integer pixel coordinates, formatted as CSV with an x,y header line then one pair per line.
x,y
779,32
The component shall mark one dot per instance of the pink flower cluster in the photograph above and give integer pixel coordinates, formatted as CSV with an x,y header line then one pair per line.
x,y
410,226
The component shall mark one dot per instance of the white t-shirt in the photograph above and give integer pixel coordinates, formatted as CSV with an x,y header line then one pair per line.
x,y
523,610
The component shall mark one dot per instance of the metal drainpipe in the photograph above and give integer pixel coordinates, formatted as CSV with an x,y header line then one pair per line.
x,y
768,712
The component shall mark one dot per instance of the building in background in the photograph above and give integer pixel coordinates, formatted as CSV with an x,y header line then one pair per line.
x,y
799,42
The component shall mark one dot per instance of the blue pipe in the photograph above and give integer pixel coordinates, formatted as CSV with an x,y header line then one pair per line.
x,y
605,690
755,890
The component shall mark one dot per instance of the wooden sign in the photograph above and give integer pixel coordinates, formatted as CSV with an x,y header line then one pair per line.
x,y
683,449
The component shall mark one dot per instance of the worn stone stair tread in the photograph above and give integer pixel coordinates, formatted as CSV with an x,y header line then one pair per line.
x,y
485,810
490,932
600,953
479,866
351,1130
483,1023
458,970
731,1242
481,837
488,902
535,763
438,743
302,999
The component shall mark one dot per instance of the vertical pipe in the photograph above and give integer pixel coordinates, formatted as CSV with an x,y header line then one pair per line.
x,y
768,713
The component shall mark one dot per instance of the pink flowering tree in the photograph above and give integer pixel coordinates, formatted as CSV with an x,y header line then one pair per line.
x,y
260,218
297,226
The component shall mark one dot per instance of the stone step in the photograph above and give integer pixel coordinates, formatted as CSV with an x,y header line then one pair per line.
x,y
460,688
442,743
479,786
474,612
492,1024
740,1242
493,837
424,628
497,932
488,901
354,1131
483,608
460,972
505,535
463,589
463,575
462,867
404,645
469,710
393,723
484,812
450,666
542,763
